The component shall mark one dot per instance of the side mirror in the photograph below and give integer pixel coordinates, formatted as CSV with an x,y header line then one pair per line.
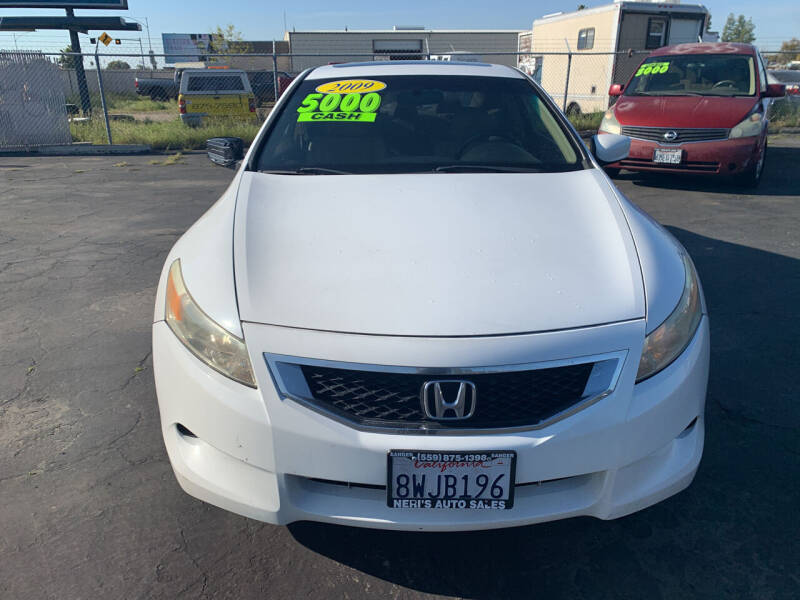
x,y
225,151
775,90
616,89
609,148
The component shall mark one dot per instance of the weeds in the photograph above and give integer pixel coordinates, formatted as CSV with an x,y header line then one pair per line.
x,y
586,121
124,102
784,113
163,135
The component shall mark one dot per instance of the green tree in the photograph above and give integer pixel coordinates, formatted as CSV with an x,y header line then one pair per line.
x,y
227,40
739,29
118,65
66,61
792,48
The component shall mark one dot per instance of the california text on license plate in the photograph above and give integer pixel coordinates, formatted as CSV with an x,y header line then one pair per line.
x,y
669,157
422,479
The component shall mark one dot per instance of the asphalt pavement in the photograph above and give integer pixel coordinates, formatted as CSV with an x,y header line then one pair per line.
x,y
89,507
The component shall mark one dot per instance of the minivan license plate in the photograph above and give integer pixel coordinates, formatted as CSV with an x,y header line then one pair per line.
x,y
423,479
667,157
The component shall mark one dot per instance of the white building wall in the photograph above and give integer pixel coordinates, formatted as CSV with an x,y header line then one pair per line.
x,y
358,45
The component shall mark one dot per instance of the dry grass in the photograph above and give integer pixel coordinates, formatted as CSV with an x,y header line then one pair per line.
x,y
166,135
586,121
784,113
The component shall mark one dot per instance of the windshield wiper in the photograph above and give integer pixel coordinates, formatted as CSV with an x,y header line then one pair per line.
x,y
306,171
489,168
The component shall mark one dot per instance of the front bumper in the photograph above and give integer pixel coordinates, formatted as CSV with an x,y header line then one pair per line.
x,y
723,157
274,460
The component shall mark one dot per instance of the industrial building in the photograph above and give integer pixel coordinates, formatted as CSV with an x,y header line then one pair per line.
x,y
398,43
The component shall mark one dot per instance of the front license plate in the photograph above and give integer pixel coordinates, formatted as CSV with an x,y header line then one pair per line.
x,y
423,479
667,157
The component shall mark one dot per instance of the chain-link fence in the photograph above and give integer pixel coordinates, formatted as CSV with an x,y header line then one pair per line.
x,y
62,98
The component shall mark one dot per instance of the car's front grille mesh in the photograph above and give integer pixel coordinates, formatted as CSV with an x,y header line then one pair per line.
x,y
504,399
656,134
695,166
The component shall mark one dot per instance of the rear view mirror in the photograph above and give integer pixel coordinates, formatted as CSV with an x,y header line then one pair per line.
x,y
616,89
225,151
775,90
610,148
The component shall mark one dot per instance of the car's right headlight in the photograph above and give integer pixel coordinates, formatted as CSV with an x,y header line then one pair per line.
x,y
609,124
670,339
751,126
208,341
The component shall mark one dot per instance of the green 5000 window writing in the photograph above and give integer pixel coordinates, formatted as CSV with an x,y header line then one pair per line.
x,y
653,68
346,108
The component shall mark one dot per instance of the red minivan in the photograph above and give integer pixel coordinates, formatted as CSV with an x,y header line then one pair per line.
x,y
695,108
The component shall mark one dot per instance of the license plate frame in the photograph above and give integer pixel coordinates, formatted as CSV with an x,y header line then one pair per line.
x,y
667,156
501,462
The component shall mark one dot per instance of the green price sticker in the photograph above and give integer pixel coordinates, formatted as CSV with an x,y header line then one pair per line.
x,y
342,108
653,68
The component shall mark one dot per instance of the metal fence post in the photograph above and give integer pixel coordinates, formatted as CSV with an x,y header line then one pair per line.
x,y
566,83
274,71
77,63
102,94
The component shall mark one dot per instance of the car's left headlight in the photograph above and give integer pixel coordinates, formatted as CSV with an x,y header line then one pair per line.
x,y
670,339
207,340
751,126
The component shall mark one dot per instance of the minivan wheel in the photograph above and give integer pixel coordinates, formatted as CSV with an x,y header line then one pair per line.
x,y
752,177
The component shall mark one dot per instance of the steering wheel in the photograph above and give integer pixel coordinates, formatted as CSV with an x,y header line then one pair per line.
x,y
726,82
484,138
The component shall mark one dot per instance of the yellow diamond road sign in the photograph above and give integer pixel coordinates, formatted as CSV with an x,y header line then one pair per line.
x,y
105,38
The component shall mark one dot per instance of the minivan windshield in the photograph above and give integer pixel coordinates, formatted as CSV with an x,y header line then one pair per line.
x,y
417,123
694,75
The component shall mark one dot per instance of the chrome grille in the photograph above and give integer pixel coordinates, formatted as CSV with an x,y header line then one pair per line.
x,y
384,397
509,399
656,134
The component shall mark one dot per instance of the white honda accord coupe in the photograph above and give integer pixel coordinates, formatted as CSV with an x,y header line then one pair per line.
x,y
422,305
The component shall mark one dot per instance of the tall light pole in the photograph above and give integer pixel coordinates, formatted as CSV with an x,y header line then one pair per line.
x,y
149,39
15,33
147,26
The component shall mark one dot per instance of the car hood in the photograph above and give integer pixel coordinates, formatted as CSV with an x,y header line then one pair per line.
x,y
682,111
434,254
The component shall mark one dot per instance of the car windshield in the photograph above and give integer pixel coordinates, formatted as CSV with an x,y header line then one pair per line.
x,y
694,75
411,124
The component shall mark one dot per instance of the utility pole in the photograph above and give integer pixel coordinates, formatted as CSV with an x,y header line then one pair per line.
x,y
77,61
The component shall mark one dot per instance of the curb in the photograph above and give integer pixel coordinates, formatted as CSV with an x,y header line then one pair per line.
x,y
80,150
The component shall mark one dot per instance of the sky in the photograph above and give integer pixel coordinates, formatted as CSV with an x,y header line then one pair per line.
x,y
775,20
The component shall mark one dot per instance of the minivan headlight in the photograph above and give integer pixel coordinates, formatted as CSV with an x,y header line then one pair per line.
x,y
216,347
670,339
750,127
609,124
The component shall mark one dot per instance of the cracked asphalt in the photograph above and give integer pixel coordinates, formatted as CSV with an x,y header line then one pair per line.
x,y
89,507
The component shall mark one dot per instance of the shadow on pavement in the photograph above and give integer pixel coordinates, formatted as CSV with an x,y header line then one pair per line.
x,y
732,533
780,177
